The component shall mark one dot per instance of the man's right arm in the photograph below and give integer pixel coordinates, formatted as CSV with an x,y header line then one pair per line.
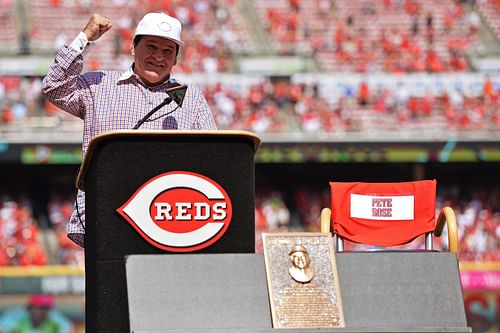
x,y
64,85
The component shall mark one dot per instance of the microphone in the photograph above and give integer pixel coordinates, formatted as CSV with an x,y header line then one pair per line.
x,y
178,93
175,94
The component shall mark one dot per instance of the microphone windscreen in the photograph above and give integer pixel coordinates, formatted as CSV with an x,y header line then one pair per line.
x,y
177,93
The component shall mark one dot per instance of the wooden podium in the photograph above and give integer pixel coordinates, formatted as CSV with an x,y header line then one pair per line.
x,y
116,166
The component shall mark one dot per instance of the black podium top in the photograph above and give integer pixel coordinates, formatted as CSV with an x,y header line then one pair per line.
x,y
163,135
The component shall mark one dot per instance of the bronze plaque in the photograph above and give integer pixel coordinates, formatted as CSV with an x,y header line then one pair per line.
x,y
302,280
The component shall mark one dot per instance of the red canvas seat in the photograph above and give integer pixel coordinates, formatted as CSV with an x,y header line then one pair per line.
x,y
387,214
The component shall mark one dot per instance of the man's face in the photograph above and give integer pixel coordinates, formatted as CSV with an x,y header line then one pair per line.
x,y
154,58
300,260
38,314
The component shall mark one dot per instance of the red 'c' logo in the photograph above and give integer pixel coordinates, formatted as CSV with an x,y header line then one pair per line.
x,y
179,211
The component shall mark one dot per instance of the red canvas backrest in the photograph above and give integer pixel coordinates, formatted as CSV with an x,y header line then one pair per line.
x,y
383,214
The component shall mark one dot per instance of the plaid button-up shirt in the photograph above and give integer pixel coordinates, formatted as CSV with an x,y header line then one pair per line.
x,y
110,100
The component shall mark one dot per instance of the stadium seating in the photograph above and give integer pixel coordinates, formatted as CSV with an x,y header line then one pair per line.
x,y
218,32
401,36
10,39
311,104
490,10
20,237
211,30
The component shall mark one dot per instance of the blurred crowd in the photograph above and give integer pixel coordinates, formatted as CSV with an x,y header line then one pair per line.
x,y
307,107
270,105
394,36
25,241
213,30
403,35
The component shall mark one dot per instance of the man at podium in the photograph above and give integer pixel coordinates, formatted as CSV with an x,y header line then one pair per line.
x,y
145,96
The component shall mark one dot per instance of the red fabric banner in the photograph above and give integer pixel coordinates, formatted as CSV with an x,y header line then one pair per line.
x,y
383,214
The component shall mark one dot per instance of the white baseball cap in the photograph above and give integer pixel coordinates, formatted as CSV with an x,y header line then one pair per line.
x,y
160,25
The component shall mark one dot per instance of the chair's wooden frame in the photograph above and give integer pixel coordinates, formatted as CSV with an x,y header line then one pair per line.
x,y
446,216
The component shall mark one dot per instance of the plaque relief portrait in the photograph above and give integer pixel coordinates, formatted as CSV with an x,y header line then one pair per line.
x,y
302,280
301,270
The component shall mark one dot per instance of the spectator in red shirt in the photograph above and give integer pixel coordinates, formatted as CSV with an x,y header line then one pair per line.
x,y
433,63
363,93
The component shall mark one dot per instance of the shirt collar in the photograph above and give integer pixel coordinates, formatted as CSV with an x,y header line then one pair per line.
x,y
130,73
127,74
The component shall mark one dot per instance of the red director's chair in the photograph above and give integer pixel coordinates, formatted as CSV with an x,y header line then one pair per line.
x,y
387,214
417,291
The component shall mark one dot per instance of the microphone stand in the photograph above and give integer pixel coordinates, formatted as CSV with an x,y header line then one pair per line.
x,y
166,101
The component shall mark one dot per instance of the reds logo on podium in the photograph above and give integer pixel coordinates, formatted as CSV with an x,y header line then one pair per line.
x,y
179,211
